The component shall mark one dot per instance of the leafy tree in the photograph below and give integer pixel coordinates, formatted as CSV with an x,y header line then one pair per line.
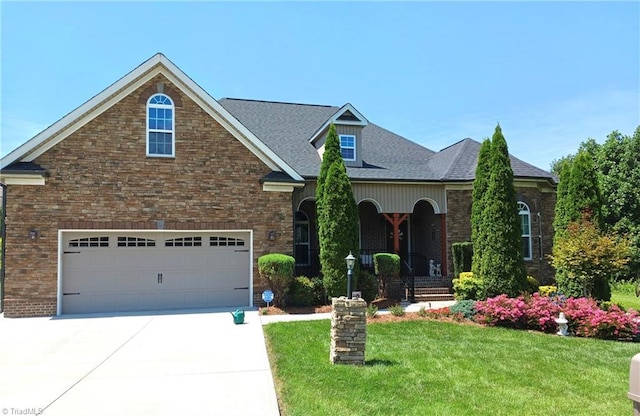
x,y
478,204
338,229
502,267
588,257
617,162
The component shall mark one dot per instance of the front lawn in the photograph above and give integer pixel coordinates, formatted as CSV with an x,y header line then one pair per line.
x,y
441,368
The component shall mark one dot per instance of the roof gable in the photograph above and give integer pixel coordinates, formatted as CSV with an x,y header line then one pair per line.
x,y
157,64
346,115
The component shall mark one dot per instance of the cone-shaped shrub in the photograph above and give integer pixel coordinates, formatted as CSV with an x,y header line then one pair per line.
x,y
502,266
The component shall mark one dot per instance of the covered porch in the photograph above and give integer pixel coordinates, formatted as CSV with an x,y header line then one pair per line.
x,y
406,220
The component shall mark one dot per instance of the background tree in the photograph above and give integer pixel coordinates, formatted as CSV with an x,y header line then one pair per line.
x,y
338,230
478,204
619,166
502,268
578,194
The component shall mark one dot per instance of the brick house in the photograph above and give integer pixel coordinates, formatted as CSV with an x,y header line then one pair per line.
x,y
153,195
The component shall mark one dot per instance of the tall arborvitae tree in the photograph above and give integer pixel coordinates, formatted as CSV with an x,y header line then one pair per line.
x,y
331,154
561,217
338,230
478,203
583,193
502,269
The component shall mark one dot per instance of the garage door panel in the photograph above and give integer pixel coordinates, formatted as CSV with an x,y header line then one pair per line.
x,y
137,271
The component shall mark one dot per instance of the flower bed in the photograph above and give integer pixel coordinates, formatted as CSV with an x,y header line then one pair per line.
x,y
586,318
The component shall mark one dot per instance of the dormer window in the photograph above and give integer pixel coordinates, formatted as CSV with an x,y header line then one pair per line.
x,y
160,126
348,147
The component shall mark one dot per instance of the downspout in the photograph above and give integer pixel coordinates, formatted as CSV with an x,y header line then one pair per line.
x,y
3,236
540,235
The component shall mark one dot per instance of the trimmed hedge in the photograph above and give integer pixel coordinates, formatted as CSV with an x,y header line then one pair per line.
x,y
462,257
276,271
386,266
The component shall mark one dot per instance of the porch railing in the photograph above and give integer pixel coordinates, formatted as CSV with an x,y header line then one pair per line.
x,y
412,268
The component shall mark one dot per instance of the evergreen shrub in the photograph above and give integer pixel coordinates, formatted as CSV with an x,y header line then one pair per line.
x,y
276,271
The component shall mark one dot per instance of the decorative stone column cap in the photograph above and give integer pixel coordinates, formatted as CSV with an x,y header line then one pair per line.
x,y
349,303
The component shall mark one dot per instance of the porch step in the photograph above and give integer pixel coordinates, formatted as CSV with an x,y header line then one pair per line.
x,y
423,294
434,297
432,291
431,281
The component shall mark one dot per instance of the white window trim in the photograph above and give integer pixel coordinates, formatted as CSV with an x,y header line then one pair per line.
x,y
173,124
523,209
355,154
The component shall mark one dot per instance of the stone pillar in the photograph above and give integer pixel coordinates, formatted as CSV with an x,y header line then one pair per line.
x,y
348,331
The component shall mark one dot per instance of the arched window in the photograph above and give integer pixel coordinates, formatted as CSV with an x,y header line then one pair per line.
x,y
160,126
302,239
525,223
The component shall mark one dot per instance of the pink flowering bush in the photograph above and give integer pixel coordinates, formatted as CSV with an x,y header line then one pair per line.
x,y
502,311
538,313
588,320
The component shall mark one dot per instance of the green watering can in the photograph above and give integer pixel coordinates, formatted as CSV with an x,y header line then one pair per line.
x,y
238,316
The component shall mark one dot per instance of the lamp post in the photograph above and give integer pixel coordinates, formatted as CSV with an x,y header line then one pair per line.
x,y
351,261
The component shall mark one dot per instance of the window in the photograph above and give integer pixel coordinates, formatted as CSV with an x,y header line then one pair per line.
x,y
348,146
225,241
525,223
90,242
160,125
302,239
135,242
184,242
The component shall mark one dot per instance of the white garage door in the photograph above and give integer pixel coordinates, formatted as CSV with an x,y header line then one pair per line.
x,y
138,271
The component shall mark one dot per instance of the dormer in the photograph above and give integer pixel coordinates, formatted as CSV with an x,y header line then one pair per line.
x,y
349,123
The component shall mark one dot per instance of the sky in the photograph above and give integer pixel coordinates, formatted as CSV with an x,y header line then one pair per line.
x,y
552,74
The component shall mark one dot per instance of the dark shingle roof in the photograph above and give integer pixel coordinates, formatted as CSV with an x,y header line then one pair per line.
x,y
286,129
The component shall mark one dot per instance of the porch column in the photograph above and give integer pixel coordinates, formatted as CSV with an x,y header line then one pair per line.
x,y
395,221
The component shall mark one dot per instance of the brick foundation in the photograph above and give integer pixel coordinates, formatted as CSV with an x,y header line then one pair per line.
x,y
29,307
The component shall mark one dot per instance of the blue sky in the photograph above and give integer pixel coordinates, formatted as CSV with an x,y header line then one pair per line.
x,y
552,74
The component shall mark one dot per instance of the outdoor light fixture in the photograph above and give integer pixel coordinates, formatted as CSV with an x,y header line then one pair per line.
x,y
33,234
271,235
351,261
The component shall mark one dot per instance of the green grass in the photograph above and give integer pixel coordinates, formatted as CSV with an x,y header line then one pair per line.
x,y
626,300
439,368
624,293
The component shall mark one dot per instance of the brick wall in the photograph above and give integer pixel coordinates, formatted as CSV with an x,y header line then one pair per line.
x,y
459,227
101,178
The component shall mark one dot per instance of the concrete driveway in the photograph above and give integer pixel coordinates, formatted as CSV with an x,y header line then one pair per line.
x,y
196,363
